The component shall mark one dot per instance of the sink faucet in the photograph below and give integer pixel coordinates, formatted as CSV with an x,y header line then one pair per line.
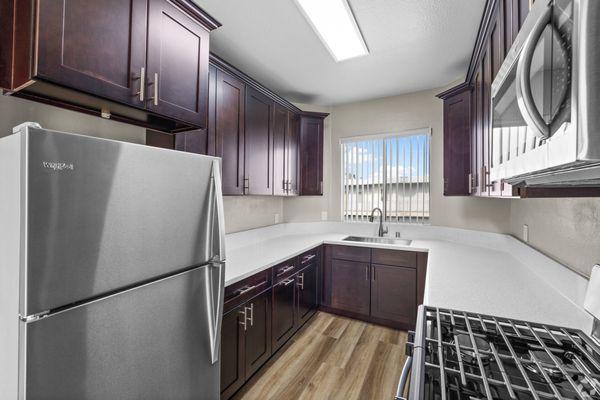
x,y
382,231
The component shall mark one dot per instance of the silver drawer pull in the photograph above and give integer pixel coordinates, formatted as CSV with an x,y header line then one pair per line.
x,y
288,281
307,258
285,269
247,289
403,379
244,319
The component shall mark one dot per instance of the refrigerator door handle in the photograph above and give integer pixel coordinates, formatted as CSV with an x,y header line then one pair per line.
x,y
215,292
219,248
216,279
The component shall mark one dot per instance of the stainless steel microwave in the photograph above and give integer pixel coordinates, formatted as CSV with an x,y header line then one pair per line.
x,y
546,99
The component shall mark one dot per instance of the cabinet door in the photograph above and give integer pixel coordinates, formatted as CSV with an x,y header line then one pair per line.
x,y
259,144
311,156
280,134
93,46
177,64
307,293
229,132
284,321
258,332
350,286
292,152
457,142
394,294
232,352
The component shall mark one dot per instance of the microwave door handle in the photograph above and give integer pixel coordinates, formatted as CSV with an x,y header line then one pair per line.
x,y
525,101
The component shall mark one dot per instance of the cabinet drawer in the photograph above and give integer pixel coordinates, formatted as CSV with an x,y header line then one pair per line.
x,y
394,257
351,253
311,256
245,289
285,269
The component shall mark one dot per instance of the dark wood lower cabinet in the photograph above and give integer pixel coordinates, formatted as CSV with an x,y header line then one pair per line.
x,y
394,293
284,315
232,352
385,287
258,332
245,342
308,300
350,286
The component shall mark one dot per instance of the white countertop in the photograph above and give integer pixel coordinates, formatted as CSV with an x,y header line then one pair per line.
x,y
467,270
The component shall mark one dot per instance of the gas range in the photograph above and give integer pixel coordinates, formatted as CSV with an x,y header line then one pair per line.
x,y
462,355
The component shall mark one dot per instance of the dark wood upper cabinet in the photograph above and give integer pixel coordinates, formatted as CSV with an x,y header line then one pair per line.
x,y
229,130
258,164
177,64
350,286
457,141
292,154
285,151
311,153
190,142
394,293
136,61
93,46
280,156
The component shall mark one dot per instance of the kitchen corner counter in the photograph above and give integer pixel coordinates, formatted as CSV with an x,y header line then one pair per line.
x,y
467,270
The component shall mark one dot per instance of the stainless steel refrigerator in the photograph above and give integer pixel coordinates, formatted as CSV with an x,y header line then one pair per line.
x,y
112,266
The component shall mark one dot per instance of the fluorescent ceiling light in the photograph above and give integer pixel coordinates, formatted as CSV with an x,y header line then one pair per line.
x,y
335,24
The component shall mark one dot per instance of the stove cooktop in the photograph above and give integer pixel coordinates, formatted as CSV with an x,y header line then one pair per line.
x,y
471,356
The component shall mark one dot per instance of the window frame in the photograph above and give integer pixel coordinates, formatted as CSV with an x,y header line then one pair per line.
x,y
372,138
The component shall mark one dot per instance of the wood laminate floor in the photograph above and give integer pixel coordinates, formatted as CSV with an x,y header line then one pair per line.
x,y
332,357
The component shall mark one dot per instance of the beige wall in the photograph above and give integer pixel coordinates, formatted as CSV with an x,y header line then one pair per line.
x,y
397,114
568,230
14,111
247,212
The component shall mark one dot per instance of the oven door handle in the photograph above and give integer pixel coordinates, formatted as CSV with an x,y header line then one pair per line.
x,y
525,101
404,379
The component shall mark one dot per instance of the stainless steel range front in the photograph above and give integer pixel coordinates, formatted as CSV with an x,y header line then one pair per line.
x,y
461,355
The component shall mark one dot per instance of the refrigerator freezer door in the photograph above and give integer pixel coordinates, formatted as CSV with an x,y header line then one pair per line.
x,y
104,215
148,343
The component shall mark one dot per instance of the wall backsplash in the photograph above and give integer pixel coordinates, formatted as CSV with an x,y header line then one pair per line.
x,y
247,212
567,230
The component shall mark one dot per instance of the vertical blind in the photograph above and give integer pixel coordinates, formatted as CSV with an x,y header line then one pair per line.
x,y
390,172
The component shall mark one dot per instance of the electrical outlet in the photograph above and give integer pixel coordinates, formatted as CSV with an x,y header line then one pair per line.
x,y
276,218
526,233
323,215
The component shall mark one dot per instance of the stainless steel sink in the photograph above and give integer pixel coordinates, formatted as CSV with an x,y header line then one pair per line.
x,y
382,240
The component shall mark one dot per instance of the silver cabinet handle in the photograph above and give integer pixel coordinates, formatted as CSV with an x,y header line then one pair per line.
x,y
285,269
244,319
142,79
301,281
288,281
403,379
247,289
307,258
367,272
251,308
155,83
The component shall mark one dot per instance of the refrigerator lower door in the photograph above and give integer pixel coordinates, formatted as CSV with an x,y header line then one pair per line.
x,y
104,215
150,342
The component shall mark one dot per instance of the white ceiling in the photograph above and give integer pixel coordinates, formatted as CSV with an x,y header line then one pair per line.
x,y
414,45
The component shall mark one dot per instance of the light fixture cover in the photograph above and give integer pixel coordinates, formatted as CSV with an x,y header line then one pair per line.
x,y
335,24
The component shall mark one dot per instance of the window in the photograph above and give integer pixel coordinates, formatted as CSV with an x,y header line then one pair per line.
x,y
386,171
